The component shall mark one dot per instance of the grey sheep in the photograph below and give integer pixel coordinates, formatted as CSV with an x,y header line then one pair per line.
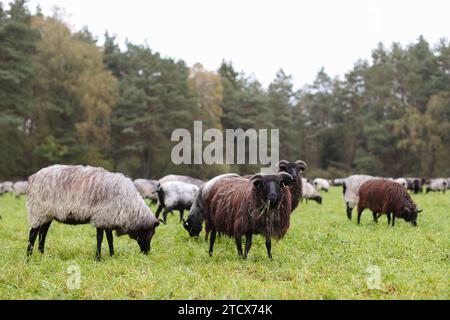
x,y
83,194
309,192
438,184
19,188
175,195
185,179
147,188
351,187
7,186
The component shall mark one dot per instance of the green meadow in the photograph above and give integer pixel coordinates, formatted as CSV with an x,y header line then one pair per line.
x,y
323,256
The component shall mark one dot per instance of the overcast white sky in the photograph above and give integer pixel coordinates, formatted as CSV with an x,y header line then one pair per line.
x,y
260,36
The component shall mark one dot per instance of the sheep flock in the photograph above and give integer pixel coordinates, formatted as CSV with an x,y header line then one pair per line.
x,y
229,204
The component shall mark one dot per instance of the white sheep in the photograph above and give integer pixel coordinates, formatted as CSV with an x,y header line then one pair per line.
x,y
402,181
185,179
147,188
321,184
438,184
80,195
7,186
175,195
19,188
309,192
351,187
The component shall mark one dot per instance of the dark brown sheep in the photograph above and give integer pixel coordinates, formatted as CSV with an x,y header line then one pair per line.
x,y
295,169
384,196
239,206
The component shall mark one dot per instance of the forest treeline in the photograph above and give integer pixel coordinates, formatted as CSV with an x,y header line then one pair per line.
x,y
64,98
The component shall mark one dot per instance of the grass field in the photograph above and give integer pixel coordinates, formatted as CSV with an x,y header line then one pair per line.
x,y
323,256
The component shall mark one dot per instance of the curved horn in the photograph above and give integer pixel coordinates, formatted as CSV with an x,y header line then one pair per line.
x,y
301,164
256,177
256,180
286,178
281,162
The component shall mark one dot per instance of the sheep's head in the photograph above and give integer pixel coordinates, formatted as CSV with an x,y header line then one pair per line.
x,y
144,236
410,212
193,225
269,187
293,168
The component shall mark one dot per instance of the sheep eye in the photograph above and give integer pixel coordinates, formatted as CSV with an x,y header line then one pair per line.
x,y
258,184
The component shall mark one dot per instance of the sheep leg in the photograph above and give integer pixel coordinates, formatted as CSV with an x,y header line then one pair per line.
x,y
349,211
109,237
42,235
32,238
166,211
269,247
389,218
359,215
248,243
181,215
158,211
375,217
211,242
98,254
239,245
206,235
393,219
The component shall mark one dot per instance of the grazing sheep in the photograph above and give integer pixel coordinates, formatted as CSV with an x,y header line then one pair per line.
x,y
175,195
194,222
295,169
384,196
414,185
81,195
310,193
321,184
402,182
147,188
7,186
438,184
260,205
185,179
350,190
338,182
20,187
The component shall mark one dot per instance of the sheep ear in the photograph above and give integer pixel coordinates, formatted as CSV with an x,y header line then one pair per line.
x,y
286,178
161,220
257,180
301,165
